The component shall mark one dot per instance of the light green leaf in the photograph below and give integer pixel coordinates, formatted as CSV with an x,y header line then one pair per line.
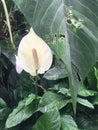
x,y
67,123
83,91
30,99
48,121
85,102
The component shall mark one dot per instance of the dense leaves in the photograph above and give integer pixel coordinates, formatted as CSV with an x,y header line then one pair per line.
x,y
48,121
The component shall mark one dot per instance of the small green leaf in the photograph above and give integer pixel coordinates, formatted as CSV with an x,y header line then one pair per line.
x,y
30,99
2,103
85,102
67,123
83,91
95,100
48,121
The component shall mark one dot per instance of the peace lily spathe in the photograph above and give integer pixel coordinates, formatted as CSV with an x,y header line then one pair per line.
x,y
33,55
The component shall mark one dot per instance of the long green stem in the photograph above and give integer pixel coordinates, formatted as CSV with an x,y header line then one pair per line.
x,y
8,23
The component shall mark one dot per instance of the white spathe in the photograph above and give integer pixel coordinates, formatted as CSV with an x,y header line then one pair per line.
x,y
25,60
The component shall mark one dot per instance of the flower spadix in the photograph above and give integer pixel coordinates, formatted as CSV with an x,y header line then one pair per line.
x,y
34,55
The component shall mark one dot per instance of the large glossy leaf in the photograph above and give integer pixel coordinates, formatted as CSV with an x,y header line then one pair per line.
x,y
48,121
51,101
49,17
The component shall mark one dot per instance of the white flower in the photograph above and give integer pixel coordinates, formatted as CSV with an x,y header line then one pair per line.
x,y
33,55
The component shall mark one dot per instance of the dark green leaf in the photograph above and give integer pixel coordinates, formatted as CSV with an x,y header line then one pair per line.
x,y
48,121
67,123
88,122
2,103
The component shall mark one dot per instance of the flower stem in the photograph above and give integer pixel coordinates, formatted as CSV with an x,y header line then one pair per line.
x,y
8,23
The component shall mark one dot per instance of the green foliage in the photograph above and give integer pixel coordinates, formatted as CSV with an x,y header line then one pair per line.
x,y
49,121
70,28
23,111
67,123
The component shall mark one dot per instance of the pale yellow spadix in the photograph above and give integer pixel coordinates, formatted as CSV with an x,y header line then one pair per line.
x,y
33,55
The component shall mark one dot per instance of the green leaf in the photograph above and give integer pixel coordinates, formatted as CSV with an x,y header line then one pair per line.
x,y
67,123
21,113
95,100
48,121
80,42
2,103
83,91
4,110
30,99
50,101
83,40
85,102
48,18
57,72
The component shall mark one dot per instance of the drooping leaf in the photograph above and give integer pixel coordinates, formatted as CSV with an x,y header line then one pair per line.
x,y
48,121
67,123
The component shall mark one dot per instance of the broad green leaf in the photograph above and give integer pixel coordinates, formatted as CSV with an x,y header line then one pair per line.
x,y
80,37
67,123
85,102
50,101
21,113
48,121
57,72
48,18
83,39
